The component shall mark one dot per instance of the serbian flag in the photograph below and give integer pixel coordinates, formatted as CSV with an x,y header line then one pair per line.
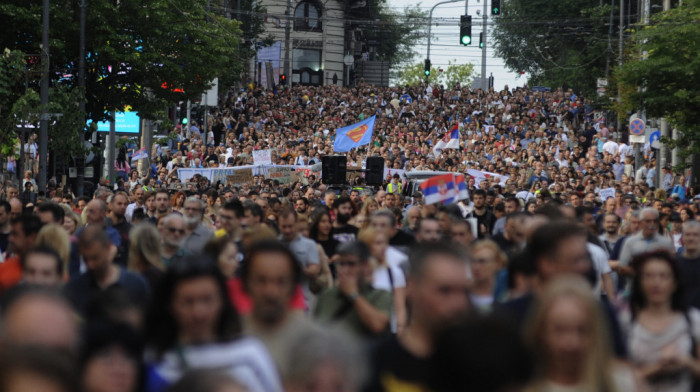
x,y
450,140
483,175
354,135
437,189
140,154
461,191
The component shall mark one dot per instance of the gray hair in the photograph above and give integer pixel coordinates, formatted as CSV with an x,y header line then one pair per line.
x,y
199,202
649,210
691,224
385,213
171,217
322,347
635,214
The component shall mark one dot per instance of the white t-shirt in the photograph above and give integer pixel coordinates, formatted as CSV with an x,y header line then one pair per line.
x,y
600,262
382,281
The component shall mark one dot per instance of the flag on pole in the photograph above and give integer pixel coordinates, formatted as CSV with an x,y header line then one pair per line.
x,y
140,154
354,135
439,188
450,140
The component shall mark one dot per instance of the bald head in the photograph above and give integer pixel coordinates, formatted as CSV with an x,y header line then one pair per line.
x,y
96,211
38,318
15,208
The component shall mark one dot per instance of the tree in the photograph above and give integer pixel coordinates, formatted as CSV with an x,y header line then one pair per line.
x,y
139,54
556,42
662,74
393,33
453,74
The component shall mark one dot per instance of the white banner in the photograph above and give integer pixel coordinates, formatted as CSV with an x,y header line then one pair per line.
x,y
220,174
483,175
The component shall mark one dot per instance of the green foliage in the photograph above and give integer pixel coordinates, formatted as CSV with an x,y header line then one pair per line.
x,y
556,42
453,74
396,33
662,73
133,47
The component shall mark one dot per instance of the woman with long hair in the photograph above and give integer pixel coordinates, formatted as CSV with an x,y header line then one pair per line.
x,y
146,252
369,206
178,201
121,166
57,238
321,231
568,335
662,332
192,325
386,277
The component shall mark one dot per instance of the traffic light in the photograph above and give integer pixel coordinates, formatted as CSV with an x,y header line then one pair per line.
x,y
495,7
283,79
427,67
465,30
481,40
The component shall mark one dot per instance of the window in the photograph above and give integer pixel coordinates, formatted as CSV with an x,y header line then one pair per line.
x,y
306,67
307,17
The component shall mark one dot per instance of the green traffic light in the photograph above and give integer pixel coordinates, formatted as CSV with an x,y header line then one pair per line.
x,y
427,73
496,11
466,40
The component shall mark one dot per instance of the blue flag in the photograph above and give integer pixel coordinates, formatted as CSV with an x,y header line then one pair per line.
x,y
354,135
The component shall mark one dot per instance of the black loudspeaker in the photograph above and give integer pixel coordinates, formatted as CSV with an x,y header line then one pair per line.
x,y
334,169
374,173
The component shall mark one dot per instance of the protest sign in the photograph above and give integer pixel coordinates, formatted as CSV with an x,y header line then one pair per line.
x,y
607,193
262,157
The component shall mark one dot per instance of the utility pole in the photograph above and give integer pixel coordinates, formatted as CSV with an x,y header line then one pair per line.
x,y
44,97
484,81
663,158
111,147
80,162
287,43
430,21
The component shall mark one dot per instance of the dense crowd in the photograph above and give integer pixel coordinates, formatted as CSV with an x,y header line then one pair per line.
x,y
544,279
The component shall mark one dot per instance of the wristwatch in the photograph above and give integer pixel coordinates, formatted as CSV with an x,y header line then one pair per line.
x,y
353,297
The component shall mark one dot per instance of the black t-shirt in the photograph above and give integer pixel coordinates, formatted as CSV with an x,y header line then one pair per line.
x,y
395,369
123,229
507,246
690,271
330,246
487,219
4,241
345,234
401,239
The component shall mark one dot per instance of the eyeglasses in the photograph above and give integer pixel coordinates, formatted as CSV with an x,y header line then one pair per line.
x,y
174,230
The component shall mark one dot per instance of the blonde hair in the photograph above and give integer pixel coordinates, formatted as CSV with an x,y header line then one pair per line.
x,y
598,363
364,211
145,247
57,238
498,254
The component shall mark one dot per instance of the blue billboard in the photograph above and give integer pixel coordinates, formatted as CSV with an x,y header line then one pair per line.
x,y
127,123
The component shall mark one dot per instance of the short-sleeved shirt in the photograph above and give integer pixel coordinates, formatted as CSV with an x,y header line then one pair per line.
x,y
82,289
637,244
333,307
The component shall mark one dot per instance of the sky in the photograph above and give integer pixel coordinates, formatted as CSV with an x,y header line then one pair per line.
x,y
445,43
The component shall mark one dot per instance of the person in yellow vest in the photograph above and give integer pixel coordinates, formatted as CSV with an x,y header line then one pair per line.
x,y
395,185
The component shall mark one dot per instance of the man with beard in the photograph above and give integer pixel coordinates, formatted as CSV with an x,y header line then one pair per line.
x,y
485,218
270,275
163,205
138,197
197,234
173,235
98,252
610,236
302,205
342,210
117,220
437,291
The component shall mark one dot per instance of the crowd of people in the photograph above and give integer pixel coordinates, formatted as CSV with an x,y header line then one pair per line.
x,y
539,281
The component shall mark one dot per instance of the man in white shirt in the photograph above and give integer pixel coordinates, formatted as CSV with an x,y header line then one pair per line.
x,y
611,147
138,202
